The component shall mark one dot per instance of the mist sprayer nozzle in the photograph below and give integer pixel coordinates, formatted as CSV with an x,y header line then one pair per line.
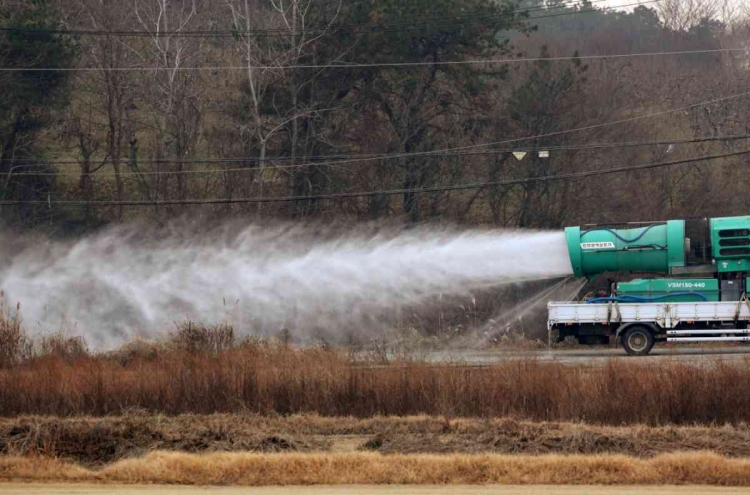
x,y
655,248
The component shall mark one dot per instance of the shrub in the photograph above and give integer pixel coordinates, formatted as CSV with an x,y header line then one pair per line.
x,y
197,339
60,344
14,343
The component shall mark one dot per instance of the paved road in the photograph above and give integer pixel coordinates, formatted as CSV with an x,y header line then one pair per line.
x,y
39,489
598,355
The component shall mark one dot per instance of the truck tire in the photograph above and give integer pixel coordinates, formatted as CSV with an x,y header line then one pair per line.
x,y
638,341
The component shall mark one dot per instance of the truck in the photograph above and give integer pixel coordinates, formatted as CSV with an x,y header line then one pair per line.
x,y
691,284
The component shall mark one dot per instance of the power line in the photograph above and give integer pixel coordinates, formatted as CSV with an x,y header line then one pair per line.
x,y
387,192
538,136
266,33
450,22
374,65
257,32
415,24
606,124
570,147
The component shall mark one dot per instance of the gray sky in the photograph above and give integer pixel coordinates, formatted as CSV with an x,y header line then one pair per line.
x,y
616,3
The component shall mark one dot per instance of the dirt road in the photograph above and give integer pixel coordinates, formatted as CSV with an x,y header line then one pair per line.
x,y
39,489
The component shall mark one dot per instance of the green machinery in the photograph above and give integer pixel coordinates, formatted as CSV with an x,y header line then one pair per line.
x,y
706,260
693,287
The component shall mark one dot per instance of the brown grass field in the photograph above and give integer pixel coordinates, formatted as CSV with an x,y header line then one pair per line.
x,y
366,468
203,408
39,488
270,379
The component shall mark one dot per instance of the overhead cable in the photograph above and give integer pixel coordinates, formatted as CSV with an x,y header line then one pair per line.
x,y
415,24
338,158
377,64
387,192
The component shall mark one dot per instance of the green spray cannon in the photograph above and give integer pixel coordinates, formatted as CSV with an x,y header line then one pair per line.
x,y
717,249
654,248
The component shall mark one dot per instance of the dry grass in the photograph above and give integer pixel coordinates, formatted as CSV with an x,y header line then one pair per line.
x,y
363,468
201,370
98,441
197,339
276,379
14,343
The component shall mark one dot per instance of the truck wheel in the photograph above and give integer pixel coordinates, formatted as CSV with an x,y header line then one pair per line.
x,y
638,341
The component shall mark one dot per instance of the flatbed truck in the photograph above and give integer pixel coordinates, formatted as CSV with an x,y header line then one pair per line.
x,y
703,299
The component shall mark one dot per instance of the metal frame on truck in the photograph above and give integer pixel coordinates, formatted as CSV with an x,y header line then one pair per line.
x,y
638,326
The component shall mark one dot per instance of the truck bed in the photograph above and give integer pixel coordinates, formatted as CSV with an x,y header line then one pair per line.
x,y
666,314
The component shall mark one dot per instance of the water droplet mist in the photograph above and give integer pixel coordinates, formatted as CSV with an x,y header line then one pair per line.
x,y
121,283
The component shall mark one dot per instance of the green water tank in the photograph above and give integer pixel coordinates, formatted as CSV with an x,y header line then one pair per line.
x,y
672,289
653,248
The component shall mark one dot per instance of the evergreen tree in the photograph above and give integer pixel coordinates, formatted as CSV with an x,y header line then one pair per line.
x,y
29,97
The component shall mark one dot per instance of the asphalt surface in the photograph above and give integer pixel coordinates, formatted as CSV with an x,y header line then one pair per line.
x,y
39,489
704,355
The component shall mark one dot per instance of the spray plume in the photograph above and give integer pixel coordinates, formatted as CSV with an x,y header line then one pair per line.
x,y
125,282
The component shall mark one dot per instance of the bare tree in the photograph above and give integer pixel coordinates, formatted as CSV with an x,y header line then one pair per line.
x,y
110,86
681,15
273,60
177,98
